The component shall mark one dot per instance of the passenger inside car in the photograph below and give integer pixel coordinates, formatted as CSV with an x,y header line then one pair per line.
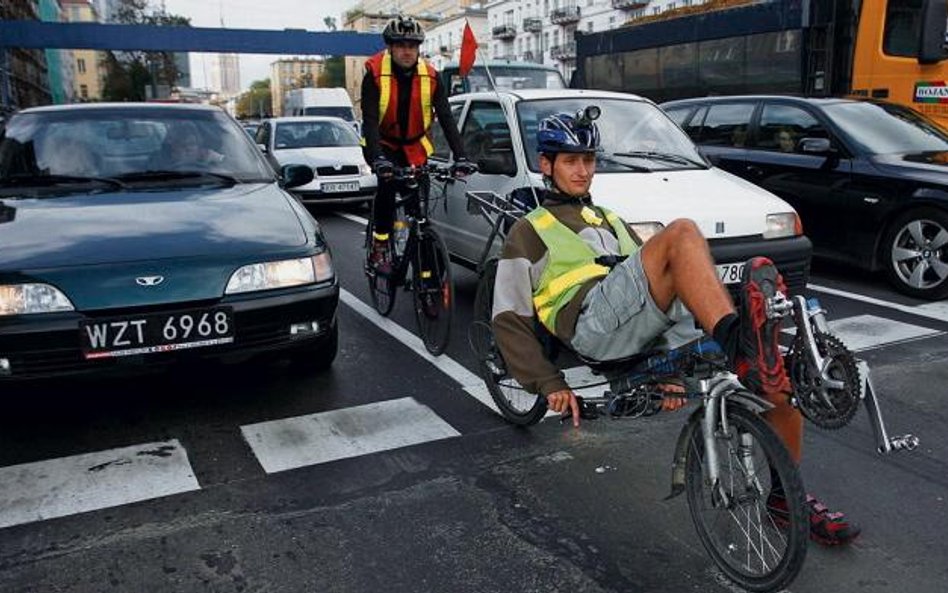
x,y
785,140
183,146
66,155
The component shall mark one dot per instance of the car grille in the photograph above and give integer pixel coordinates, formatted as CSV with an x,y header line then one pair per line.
x,y
331,171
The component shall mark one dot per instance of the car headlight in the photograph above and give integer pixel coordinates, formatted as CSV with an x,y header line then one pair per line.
x,y
281,274
646,230
22,299
365,169
783,224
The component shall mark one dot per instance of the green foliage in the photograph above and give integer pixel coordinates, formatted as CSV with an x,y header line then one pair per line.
x,y
129,73
333,74
257,102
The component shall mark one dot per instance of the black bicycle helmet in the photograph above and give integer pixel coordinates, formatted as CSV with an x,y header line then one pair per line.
x,y
403,28
563,132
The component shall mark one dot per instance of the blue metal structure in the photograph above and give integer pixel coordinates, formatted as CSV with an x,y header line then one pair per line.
x,y
45,35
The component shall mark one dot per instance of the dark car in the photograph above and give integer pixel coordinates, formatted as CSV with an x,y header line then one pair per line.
x,y
868,178
134,233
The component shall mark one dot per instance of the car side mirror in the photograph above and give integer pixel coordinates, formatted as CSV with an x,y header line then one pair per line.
x,y
295,175
931,43
816,146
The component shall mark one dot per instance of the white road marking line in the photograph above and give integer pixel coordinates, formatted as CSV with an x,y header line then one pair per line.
x,y
91,481
937,311
280,445
353,218
865,332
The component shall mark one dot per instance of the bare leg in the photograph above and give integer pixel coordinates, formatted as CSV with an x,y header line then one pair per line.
x,y
678,263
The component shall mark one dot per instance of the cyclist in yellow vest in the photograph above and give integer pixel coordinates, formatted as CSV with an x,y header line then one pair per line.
x,y
579,270
401,96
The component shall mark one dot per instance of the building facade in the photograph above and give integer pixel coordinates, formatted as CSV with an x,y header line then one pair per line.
x,y
225,75
443,40
59,62
88,64
287,74
24,75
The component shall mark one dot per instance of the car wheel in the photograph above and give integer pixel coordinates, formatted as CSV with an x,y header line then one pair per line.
x,y
916,253
318,356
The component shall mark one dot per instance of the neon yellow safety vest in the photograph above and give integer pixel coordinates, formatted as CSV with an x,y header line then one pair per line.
x,y
571,261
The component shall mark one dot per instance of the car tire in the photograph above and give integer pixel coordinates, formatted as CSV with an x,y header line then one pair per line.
x,y
318,356
915,253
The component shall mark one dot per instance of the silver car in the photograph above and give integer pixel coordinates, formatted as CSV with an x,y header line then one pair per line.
x,y
327,144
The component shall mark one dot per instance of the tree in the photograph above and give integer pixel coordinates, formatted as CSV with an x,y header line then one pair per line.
x,y
256,102
129,73
330,23
333,74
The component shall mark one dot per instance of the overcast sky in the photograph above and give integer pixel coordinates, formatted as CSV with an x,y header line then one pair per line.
x,y
253,14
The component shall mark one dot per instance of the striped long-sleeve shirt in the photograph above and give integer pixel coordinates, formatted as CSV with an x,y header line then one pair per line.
x,y
519,270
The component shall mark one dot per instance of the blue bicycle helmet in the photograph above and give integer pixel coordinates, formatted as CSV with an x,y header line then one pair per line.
x,y
563,132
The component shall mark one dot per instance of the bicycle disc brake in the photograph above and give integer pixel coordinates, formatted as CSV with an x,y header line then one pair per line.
x,y
829,398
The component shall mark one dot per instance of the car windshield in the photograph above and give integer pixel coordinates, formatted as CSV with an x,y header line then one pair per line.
x,y
506,77
636,135
144,145
887,129
343,112
314,134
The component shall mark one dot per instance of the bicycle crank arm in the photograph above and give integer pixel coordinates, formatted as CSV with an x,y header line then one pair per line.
x,y
885,443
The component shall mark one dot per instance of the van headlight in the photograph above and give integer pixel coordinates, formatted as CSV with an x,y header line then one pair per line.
x,y
365,169
783,224
646,230
281,274
23,299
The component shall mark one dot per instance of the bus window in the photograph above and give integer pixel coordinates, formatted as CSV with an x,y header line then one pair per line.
x,y
902,28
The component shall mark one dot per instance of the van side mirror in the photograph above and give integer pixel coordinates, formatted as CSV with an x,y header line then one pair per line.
x,y
931,44
499,161
295,175
816,146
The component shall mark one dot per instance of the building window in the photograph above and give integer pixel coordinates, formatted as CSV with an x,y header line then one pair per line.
x,y
84,91
589,27
81,65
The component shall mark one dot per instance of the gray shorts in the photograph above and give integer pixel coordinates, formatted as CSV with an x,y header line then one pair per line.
x,y
620,319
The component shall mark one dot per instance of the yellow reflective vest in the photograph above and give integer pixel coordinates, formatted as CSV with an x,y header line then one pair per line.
x,y
571,261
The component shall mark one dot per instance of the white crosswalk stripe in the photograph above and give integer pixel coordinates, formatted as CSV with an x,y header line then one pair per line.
x,y
300,441
91,481
865,332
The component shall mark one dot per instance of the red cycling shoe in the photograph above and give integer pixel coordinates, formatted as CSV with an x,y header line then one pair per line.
x,y
826,527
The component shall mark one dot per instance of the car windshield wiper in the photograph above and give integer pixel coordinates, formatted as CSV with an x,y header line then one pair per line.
x,y
162,175
609,159
57,180
662,156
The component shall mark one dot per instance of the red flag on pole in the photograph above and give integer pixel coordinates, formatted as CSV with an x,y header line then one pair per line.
x,y
468,50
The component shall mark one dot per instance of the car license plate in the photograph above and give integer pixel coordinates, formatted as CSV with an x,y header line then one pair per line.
x,y
338,187
145,334
730,273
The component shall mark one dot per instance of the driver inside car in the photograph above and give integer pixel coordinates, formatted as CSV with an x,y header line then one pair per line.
x,y
552,272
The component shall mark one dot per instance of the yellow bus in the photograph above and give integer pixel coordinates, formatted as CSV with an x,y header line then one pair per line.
x,y
885,49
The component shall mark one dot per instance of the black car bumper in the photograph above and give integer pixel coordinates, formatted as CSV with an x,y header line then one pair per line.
x,y
42,346
791,256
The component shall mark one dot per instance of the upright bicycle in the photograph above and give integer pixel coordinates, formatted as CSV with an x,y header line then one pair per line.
x,y
744,492
420,261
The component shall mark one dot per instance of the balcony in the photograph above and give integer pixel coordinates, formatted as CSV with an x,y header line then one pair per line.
x,y
564,16
529,56
629,4
504,32
566,51
532,24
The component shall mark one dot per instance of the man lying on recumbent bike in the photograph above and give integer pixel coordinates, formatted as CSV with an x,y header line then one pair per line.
x,y
649,300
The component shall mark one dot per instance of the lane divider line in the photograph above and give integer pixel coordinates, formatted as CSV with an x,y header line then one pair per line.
x,y
928,311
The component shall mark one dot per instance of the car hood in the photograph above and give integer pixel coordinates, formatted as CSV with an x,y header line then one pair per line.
x,y
320,157
923,166
722,205
112,228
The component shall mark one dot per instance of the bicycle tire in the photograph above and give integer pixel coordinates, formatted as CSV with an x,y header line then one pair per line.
x,y
516,405
433,291
732,535
381,286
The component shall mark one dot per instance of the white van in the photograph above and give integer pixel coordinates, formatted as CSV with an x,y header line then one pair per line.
x,y
649,173
333,102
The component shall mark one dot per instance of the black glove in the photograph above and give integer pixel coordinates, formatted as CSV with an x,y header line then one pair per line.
x,y
463,167
383,167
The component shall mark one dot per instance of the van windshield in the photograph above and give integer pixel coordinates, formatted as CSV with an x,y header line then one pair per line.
x,y
506,77
343,112
636,135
